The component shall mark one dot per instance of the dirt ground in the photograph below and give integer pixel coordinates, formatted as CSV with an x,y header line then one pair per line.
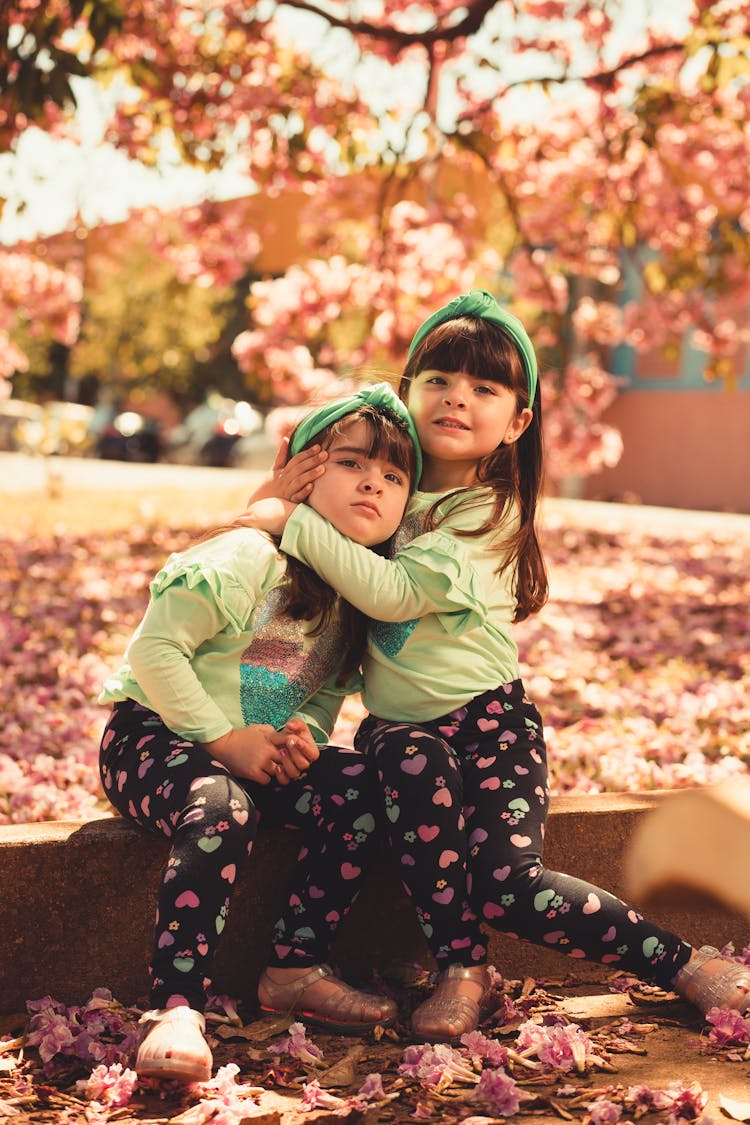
x,y
641,1039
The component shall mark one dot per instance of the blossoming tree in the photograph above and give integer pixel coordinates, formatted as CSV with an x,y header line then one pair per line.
x,y
544,149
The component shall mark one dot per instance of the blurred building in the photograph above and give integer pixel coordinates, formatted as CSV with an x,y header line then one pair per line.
x,y
687,439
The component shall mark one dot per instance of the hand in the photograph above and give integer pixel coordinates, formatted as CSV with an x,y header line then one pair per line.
x,y
261,754
294,479
267,515
299,751
253,753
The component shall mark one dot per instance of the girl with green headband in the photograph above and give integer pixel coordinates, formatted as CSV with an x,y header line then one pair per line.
x,y
223,711
458,745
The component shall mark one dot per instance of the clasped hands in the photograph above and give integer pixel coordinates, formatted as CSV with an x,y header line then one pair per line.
x,y
261,754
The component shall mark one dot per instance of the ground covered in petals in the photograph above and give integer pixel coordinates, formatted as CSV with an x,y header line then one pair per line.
x,y
639,663
545,1052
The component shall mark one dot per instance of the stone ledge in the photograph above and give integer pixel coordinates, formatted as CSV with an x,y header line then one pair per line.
x,y
78,901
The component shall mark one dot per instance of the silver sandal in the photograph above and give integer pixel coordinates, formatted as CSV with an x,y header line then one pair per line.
x,y
447,1015
345,1011
726,988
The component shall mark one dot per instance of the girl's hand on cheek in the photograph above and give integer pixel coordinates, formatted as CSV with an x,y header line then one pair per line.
x,y
267,515
294,479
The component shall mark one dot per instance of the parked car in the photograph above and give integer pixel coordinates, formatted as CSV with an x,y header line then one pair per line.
x,y
126,436
65,429
215,432
20,422
50,428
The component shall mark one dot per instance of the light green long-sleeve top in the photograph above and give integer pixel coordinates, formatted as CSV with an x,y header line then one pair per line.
x,y
215,651
440,633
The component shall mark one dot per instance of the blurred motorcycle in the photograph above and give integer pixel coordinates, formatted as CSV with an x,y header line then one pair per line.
x,y
215,432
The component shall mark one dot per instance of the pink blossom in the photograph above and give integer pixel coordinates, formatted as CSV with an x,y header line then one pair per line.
x,y
50,1032
113,1085
222,1009
482,1049
602,1111
728,1027
622,983
641,1099
100,1031
436,1065
315,1097
297,1045
497,1092
223,1100
371,1089
557,1048
683,1101
686,1102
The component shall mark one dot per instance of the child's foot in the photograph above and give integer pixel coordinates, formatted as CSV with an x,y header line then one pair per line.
x,y
710,981
319,998
173,1045
455,1006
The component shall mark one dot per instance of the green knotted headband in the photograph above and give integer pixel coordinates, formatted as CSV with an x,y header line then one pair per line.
x,y
381,396
482,304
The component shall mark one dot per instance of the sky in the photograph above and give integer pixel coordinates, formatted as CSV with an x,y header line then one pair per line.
x,y
48,182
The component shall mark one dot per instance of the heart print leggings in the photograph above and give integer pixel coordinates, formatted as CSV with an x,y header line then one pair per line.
x,y
465,798
173,787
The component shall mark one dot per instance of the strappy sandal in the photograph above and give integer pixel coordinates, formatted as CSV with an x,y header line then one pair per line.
x,y
447,1015
344,1010
728,987
173,1046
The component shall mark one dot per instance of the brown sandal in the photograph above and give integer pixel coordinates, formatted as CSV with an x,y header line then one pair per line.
x,y
728,987
345,1010
448,1015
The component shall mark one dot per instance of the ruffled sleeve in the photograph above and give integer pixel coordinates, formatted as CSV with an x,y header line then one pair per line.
x,y
228,595
230,570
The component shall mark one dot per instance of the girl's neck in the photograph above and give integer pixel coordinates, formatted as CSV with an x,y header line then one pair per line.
x,y
444,476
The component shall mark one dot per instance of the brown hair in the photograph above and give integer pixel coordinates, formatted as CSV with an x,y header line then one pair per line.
x,y
513,471
308,596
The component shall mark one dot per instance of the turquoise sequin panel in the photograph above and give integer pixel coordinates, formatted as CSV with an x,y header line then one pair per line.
x,y
283,666
391,636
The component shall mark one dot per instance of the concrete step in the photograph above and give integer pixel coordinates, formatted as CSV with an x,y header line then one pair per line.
x,y
77,905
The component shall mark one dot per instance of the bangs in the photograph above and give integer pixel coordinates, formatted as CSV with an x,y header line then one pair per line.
x,y
389,438
391,443
468,344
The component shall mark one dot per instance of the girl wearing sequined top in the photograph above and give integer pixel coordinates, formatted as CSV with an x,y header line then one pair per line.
x,y
458,745
222,711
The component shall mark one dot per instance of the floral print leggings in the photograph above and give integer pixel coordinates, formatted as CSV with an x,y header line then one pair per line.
x,y
466,799
173,786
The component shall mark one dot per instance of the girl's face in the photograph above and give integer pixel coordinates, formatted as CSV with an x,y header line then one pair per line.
x,y
363,497
460,419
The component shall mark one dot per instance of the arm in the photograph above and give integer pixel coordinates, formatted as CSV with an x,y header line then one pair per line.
x,y
432,574
175,624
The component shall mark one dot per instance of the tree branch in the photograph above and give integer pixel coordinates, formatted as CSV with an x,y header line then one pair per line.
x,y
476,11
